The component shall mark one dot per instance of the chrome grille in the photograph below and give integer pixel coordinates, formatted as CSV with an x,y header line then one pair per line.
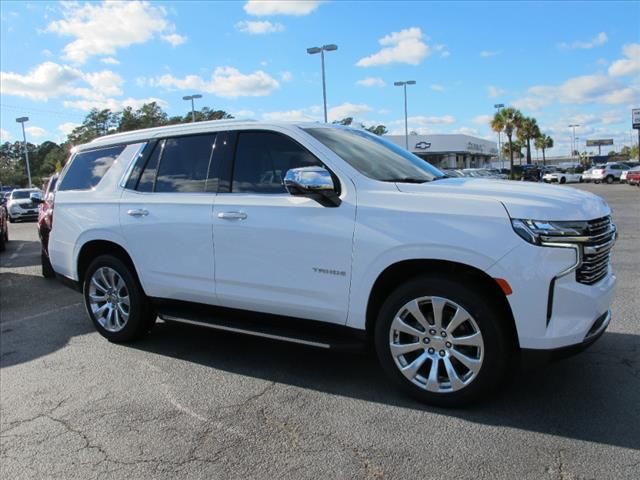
x,y
596,251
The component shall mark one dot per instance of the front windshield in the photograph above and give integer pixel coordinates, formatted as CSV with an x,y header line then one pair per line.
x,y
21,194
374,156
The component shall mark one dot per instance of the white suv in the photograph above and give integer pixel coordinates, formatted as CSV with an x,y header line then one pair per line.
x,y
330,235
609,172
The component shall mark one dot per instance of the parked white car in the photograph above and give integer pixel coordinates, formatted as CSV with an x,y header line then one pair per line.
x,y
568,176
330,235
20,206
609,173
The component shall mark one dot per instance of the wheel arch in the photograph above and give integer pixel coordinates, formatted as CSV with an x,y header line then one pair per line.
x,y
94,248
401,271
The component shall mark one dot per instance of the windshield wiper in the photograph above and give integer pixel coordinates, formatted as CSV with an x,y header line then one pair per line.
x,y
405,180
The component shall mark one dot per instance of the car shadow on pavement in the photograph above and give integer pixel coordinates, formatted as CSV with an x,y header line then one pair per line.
x,y
593,397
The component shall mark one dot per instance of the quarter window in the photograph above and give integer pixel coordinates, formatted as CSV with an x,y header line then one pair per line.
x,y
262,160
88,168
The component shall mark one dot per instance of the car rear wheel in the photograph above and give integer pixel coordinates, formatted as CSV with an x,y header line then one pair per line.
x,y
442,341
115,300
47,268
609,179
563,180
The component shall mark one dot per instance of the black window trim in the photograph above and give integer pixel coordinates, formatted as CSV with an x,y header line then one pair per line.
x,y
336,180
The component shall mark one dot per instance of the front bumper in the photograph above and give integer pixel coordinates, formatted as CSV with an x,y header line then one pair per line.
x,y
533,357
24,214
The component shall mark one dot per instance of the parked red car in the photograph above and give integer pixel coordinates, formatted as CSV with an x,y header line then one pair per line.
x,y
45,217
633,177
4,224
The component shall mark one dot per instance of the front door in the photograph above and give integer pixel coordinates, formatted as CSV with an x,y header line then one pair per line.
x,y
278,253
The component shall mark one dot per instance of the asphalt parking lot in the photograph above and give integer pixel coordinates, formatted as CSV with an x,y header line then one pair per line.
x,y
192,403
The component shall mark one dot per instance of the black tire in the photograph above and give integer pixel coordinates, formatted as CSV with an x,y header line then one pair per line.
x,y
3,246
609,179
497,348
563,180
47,269
142,317
11,220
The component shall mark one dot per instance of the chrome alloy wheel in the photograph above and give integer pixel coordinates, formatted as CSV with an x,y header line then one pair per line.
x,y
109,299
436,344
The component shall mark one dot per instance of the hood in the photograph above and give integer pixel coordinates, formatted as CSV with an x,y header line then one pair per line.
x,y
20,201
537,201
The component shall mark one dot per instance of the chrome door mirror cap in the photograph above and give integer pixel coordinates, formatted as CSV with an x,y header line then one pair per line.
x,y
36,197
307,180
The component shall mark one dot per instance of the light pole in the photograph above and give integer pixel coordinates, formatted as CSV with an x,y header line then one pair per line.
x,y
406,122
573,142
498,106
21,120
312,51
193,111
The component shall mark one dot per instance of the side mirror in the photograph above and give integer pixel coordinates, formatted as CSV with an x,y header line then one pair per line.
x,y
312,182
36,197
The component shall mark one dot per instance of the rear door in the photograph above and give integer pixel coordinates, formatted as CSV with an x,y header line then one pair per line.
x,y
165,216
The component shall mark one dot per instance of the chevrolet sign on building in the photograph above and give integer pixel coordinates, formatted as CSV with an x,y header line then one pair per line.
x,y
450,150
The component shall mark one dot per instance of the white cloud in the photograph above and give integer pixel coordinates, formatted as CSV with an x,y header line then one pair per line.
x,y
405,46
437,87
494,91
67,127
629,65
35,132
489,53
46,53
227,82
597,41
258,27
174,39
467,131
45,81
530,103
112,104
290,116
4,136
101,29
482,119
585,89
110,61
347,110
371,82
442,50
423,121
261,8
286,76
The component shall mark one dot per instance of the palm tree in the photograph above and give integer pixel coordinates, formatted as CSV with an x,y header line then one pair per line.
x,y
528,130
543,142
507,120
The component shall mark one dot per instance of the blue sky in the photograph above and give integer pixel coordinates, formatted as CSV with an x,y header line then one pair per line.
x,y
562,62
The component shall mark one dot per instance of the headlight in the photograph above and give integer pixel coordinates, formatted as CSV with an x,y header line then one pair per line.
x,y
538,232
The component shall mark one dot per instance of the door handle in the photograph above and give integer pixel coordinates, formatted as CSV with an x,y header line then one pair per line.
x,y
232,215
140,212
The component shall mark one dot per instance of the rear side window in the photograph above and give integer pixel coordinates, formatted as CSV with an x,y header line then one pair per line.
x,y
262,160
88,168
184,164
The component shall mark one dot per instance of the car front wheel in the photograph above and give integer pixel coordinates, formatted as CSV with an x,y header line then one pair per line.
x,y
115,301
442,341
609,179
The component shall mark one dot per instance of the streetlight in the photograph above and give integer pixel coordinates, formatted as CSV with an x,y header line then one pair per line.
x,y
21,120
573,143
192,97
406,123
312,51
498,106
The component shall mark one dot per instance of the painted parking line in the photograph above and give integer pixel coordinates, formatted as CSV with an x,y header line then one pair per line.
x,y
43,314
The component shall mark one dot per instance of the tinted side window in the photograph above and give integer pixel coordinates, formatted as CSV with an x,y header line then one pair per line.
x,y
148,177
88,168
185,163
262,160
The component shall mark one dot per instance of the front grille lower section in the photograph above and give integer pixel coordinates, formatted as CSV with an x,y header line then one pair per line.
x,y
596,252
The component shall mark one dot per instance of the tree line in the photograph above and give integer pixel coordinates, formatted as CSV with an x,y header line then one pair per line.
x,y
50,157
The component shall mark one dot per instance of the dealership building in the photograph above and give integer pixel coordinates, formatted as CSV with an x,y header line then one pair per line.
x,y
450,150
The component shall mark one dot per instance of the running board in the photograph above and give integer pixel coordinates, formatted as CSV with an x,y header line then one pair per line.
x,y
285,329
